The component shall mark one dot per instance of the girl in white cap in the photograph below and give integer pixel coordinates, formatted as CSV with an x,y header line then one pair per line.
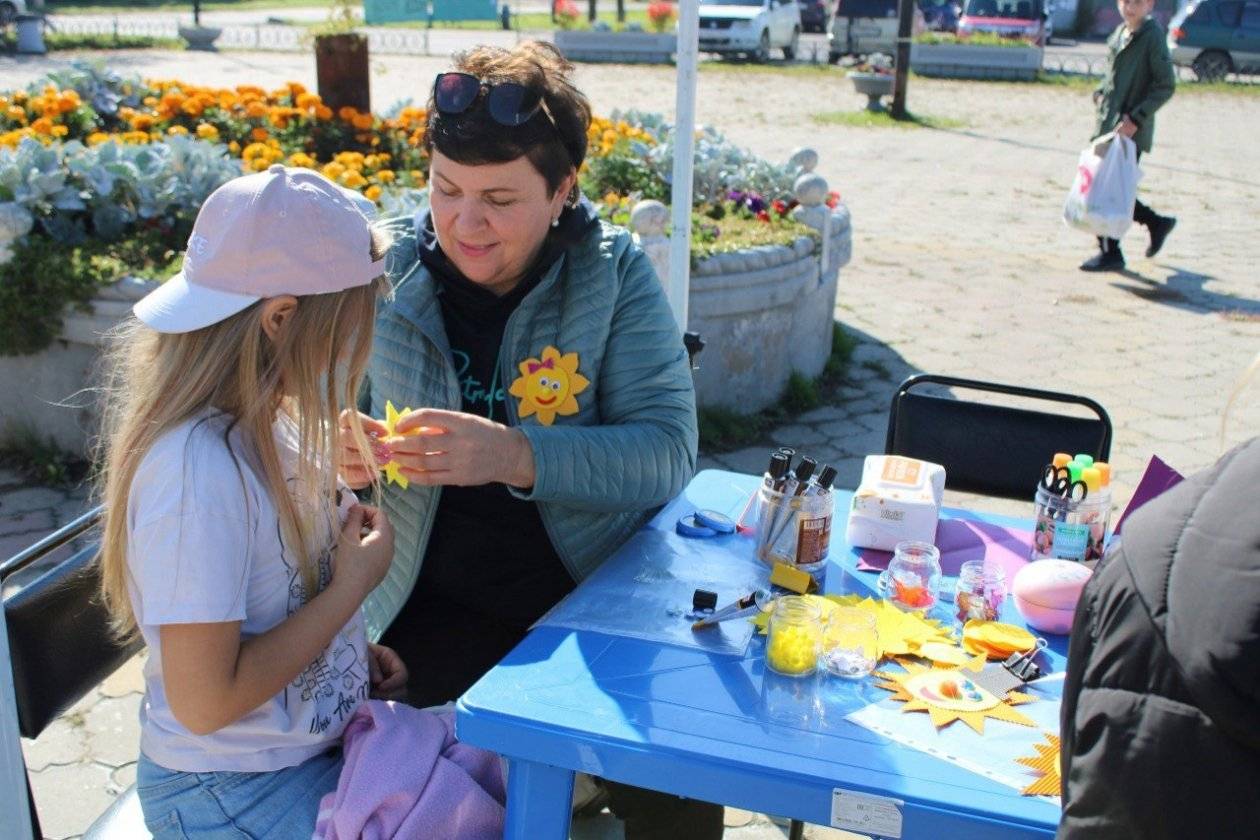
x,y
228,543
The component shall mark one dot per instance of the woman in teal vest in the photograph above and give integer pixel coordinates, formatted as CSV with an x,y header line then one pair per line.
x,y
554,409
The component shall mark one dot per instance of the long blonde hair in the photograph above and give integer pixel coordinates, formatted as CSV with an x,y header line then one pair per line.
x,y
313,368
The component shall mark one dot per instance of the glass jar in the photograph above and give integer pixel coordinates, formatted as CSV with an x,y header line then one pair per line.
x,y
795,637
981,591
852,643
913,576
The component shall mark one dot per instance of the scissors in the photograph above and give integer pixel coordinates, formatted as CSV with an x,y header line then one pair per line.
x,y
1058,481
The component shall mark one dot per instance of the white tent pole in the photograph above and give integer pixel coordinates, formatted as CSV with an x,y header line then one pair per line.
x,y
684,155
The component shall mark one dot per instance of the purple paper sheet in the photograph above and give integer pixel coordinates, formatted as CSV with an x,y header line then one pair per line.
x,y
1157,478
961,540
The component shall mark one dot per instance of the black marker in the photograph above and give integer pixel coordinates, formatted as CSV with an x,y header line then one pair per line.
x,y
776,475
825,479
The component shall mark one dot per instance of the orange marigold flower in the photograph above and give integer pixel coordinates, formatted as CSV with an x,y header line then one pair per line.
x,y
308,100
373,192
259,134
60,130
234,147
176,129
207,132
385,176
347,113
255,109
43,125
259,164
362,121
323,112
96,138
142,122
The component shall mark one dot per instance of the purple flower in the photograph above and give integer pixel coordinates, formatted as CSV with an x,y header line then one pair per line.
x,y
756,203
737,197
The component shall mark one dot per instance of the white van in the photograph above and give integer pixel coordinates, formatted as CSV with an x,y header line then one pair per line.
x,y
750,27
864,27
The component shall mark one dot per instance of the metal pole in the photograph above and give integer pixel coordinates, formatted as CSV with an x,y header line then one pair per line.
x,y
905,12
684,154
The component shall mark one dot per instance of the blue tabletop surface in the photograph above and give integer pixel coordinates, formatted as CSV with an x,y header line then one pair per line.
x,y
723,728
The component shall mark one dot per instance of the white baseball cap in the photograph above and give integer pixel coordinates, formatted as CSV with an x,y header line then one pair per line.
x,y
279,232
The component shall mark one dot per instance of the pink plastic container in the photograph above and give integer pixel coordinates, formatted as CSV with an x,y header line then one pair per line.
x,y
1046,592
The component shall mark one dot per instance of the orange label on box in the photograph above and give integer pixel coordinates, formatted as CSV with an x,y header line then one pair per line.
x,y
902,471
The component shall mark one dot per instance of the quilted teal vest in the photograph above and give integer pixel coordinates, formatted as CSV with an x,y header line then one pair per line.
x,y
600,473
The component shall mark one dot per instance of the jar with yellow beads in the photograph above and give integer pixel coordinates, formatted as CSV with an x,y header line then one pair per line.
x,y
795,637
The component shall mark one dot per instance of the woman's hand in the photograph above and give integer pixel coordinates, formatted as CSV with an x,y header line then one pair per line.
x,y
358,468
364,551
461,449
1127,127
388,673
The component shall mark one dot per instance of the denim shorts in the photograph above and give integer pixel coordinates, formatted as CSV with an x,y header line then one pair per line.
x,y
273,805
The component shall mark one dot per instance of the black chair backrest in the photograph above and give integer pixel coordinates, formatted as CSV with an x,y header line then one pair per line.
x,y
59,637
991,449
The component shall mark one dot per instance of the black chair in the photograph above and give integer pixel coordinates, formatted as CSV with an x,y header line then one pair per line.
x,y
991,449
60,648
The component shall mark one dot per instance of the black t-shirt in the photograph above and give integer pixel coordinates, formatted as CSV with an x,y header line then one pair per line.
x,y
490,569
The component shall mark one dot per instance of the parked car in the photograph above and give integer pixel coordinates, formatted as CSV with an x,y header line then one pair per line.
x,y
1028,20
865,27
750,28
941,15
815,15
1215,37
10,9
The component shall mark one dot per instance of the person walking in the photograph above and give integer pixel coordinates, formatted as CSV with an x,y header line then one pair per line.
x,y
1139,80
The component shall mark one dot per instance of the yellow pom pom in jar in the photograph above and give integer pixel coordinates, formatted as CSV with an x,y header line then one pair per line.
x,y
796,634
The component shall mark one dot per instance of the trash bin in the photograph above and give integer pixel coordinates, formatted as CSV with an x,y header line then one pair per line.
x,y
30,34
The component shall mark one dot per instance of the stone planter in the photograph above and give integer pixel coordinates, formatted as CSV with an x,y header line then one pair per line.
x,y
618,47
45,392
763,312
200,37
872,86
970,61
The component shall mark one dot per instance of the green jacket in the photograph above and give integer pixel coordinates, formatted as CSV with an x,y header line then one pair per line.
x,y
1140,79
600,473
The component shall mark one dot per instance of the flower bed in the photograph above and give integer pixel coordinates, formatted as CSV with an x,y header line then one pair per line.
x,y
979,56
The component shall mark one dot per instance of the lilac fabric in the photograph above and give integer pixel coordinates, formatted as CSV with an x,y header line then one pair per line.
x,y
406,776
1157,478
961,540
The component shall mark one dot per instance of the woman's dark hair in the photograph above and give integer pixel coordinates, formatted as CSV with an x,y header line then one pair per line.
x,y
474,138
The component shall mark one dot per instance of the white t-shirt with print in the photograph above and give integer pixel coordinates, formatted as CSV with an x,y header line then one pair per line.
x,y
205,545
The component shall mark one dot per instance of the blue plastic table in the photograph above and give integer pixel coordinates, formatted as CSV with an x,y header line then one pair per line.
x,y
705,726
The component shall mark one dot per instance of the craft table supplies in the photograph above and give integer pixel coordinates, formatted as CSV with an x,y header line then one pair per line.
x,y
980,592
795,637
898,499
1072,508
851,643
1046,593
996,640
794,511
913,576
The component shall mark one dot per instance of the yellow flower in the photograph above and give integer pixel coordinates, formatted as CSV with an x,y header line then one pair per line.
x,y
253,150
353,179
43,125
308,100
150,101
373,192
16,113
255,109
176,129
234,147
385,176
60,130
96,138
207,132
332,171
142,122
610,198
302,159
259,164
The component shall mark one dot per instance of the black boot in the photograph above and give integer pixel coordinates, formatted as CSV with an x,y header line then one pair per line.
x,y
1108,258
1159,227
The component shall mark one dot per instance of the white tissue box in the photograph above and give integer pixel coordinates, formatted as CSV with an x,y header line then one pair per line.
x,y
898,499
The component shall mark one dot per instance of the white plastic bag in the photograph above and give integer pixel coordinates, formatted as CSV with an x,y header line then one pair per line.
x,y
1105,188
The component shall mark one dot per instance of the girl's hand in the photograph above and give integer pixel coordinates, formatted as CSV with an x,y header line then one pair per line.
x,y
388,673
358,468
364,551
461,449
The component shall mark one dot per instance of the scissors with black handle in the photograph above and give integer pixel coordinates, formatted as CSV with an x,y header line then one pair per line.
x,y
1058,482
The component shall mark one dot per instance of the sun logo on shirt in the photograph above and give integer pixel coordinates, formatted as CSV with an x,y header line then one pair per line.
x,y
549,386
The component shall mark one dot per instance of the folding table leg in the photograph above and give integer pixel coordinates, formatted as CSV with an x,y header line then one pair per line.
x,y
539,801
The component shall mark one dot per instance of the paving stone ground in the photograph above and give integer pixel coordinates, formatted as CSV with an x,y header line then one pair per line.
x,y
961,266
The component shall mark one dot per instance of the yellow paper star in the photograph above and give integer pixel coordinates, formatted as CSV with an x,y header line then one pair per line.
x,y
947,695
393,470
549,386
1047,762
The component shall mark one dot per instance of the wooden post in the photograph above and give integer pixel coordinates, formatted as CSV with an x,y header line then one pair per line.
x,y
905,22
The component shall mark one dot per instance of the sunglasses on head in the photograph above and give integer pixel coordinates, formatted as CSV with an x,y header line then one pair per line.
x,y
508,103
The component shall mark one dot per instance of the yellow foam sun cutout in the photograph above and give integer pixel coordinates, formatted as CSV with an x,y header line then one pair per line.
x,y
393,471
549,386
897,633
949,694
1047,762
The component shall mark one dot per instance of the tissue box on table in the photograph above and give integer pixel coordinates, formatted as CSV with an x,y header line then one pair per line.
x,y
898,499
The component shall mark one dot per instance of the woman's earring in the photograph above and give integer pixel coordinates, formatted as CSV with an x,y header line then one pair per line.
x,y
555,222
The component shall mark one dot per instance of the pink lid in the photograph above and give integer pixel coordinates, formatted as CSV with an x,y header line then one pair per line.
x,y
1056,584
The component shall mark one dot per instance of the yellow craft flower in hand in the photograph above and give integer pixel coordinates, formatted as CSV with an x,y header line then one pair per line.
x,y
549,386
393,471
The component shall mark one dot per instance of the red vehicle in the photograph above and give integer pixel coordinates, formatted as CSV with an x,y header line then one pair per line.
x,y
1026,20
